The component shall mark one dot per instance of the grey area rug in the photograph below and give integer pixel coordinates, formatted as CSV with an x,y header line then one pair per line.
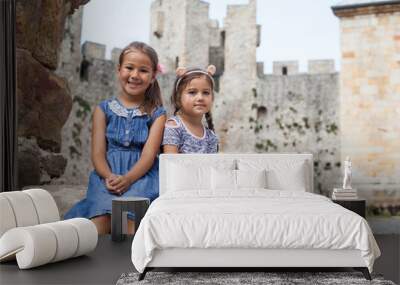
x,y
269,278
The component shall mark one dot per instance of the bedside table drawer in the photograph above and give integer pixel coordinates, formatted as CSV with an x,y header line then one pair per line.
x,y
357,206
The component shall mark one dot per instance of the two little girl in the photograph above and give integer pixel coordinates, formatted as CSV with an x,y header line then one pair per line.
x,y
128,131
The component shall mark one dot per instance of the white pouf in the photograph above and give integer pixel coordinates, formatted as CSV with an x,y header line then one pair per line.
x,y
31,232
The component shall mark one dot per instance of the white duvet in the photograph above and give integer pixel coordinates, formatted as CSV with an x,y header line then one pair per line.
x,y
250,219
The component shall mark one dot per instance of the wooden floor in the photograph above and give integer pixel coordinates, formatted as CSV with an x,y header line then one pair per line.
x,y
102,266
110,259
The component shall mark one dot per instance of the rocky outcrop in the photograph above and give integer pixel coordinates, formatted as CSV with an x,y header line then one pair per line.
x,y
44,99
40,27
44,102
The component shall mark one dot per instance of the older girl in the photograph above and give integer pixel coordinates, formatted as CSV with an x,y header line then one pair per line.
x,y
126,137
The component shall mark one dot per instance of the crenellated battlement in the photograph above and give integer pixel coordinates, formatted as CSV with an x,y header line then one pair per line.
x,y
291,67
321,66
93,50
115,53
288,67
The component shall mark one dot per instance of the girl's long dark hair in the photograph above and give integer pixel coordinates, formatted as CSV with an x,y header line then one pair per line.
x,y
152,96
183,82
209,120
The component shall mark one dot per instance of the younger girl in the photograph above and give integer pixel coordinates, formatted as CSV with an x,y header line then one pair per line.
x,y
126,137
192,98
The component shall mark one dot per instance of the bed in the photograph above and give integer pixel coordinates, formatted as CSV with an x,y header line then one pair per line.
x,y
247,210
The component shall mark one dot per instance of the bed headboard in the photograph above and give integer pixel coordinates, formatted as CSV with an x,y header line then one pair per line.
x,y
213,159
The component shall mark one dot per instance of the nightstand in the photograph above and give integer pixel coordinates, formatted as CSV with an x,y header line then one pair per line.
x,y
357,205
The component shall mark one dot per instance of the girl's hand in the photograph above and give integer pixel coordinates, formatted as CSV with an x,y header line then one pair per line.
x,y
120,184
108,181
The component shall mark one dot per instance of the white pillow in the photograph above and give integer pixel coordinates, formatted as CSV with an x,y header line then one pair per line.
x,y
282,174
223,179
288,176
251,178
183,177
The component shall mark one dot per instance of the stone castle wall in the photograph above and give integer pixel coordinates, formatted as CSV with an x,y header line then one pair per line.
x,y
238,80
256,102
370,89
300,113
370,97
91,79
286,111
179,31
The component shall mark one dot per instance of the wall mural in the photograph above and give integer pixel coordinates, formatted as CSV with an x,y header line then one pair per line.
x,y
328,113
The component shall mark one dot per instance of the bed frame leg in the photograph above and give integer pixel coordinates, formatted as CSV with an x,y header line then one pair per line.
x,y
364,271
143,274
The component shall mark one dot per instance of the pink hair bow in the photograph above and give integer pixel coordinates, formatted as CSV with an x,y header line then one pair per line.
x,y
160,68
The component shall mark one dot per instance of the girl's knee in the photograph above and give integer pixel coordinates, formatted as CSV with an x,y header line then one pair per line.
x,y
102,223
102,218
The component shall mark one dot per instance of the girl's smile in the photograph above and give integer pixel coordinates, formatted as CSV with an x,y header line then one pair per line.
x,y
133,84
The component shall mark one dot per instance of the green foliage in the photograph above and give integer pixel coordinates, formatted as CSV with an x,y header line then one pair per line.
x,y
82,112
84,108
279,123
332,128
254,90
317,126
266,145
73,152
258,128
305,121
385,211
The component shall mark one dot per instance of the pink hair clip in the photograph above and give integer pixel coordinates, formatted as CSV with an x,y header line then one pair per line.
x,y
160,68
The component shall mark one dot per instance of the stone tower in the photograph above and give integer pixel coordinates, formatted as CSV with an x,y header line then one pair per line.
x,y
370,90
179,32
239,80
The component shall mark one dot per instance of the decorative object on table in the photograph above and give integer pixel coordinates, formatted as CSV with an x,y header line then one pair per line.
x,y
32,234
347,174
243,278
119,218
346,192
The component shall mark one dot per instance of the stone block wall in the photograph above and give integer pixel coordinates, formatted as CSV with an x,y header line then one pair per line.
x,y
320,111
239,79
170,34
91,79
300,113
370,88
